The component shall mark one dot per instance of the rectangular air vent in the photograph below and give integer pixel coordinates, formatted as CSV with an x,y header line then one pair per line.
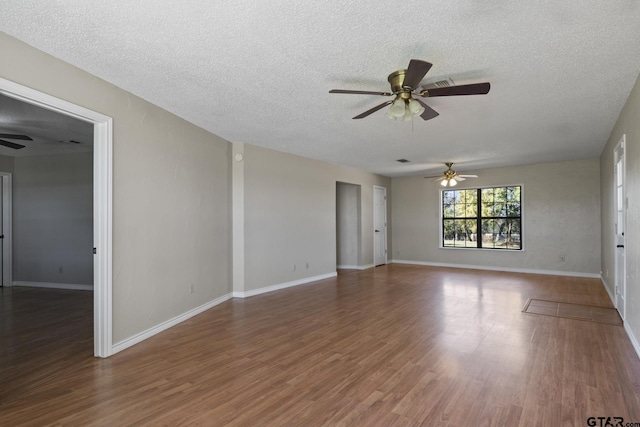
x,y
442,83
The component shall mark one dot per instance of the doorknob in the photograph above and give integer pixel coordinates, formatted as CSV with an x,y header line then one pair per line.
x,y
620,246
377,231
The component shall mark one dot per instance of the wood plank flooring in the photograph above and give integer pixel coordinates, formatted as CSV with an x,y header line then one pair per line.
x,y
397,345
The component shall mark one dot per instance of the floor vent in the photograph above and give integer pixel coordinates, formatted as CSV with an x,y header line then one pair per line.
x,y
566,310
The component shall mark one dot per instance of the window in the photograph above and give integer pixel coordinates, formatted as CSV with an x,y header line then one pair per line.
x,y
487,218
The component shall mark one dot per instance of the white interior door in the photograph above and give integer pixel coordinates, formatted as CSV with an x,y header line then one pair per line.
x,y
379,225
620,225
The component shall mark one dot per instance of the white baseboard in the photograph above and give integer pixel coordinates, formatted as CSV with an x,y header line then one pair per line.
x,y
606,288
354,267
167,324
627,328
69,286
508,269
632,338
279,286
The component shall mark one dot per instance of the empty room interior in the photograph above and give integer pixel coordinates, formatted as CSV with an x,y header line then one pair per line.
x,y
320,214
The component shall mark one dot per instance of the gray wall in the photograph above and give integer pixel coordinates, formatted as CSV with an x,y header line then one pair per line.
x,y
171,194
628,124
347,223
53,219
290,216
6,163
561,216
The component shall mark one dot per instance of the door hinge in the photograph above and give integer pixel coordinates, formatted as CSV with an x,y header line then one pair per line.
x,y
94,251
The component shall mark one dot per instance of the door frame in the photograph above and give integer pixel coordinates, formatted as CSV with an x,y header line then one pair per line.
x,y
102,203
620,283
7,224
386,253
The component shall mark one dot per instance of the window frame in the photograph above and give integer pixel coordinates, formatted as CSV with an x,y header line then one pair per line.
x,y
441,219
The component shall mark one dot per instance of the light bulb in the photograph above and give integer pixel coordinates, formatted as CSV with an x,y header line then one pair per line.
x,y
391,116
452,182
397,109
415,107
443,182
407,115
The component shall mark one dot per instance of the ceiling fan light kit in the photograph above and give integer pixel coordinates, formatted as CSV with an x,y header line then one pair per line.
x,y
450,178
405,84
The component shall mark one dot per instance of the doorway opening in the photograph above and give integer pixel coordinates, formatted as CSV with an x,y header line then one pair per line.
x,y
102,203
348,229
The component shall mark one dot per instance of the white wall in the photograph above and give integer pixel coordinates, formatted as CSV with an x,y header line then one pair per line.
x,y
290,216
347,224
53,219
628,124
171,194
561,216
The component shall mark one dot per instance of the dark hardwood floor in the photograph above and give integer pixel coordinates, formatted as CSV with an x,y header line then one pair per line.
x,y
395,345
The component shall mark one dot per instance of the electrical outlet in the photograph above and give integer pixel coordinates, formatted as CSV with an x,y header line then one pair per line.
x,y
307,266
192,288
294,267
562,259
60,270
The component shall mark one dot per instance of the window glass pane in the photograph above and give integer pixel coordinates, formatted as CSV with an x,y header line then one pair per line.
x,y
500,194
498,209
513,234
459,208
448,197
471,210
487,195
513,209
448,211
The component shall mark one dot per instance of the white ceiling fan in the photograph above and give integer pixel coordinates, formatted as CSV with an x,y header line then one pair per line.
x,y
450,178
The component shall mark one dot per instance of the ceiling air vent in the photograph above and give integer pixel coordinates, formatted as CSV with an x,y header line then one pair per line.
x,y
442,83
402,161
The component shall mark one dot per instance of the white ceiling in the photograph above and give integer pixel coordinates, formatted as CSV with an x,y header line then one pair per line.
x,y
260,72
50,132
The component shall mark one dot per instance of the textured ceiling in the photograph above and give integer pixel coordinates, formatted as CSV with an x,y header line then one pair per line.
x,y
260,72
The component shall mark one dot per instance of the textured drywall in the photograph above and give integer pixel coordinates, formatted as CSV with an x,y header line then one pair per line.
x,y
53,219
628,124
561,216
347,223
260,71
171,201
290,216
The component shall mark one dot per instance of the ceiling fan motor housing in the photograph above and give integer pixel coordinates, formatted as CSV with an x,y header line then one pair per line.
x,y
396,80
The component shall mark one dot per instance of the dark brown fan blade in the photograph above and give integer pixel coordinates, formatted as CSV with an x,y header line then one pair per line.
x,y
14,136
415,73
360,92
429,113
373,110
471,89
11,144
